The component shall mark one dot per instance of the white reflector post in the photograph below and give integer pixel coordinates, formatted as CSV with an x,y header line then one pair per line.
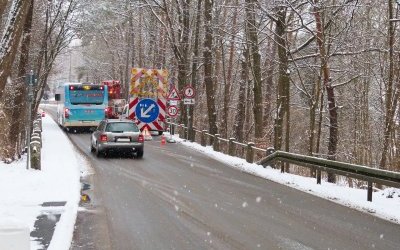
x,y
14,235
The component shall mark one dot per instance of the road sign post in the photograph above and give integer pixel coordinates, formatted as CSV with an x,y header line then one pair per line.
x,y
189,94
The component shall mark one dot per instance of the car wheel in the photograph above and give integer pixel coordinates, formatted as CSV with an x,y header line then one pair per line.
x,y
92,149
139,153
98,152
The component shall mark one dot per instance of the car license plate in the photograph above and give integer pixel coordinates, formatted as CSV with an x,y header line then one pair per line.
x,y
123,140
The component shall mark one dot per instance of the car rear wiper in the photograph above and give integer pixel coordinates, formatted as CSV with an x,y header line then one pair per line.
x,y
117,131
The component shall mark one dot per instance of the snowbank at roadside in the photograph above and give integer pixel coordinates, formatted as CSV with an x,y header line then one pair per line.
x,y
23,191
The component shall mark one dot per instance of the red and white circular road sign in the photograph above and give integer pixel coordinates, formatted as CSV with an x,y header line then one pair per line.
x,y
173,111
188,91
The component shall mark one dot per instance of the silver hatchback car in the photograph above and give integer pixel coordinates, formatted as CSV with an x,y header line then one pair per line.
x,y
117,135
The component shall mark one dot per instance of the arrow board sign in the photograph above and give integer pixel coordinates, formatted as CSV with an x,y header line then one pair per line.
x,y
174,95
147,110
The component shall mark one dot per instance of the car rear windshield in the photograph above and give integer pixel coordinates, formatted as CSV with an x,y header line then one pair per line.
x,y
119,127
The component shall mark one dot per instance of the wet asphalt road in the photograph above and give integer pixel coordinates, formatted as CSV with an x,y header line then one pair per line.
x,y
177,198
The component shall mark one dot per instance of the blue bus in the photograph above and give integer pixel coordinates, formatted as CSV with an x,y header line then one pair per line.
x,y
81,105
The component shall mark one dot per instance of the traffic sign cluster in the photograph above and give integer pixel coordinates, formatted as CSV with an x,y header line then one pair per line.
x,y
174,97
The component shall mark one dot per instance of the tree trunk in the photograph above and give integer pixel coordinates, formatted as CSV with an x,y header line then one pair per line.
x,y
269,84
228,84
283,79
195,62
10,41
313,136
241,105
140,42
182,58
18,113
332,108
390,109
3,5
208,66
255,66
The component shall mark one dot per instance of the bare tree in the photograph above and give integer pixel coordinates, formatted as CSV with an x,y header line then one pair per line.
x,y
251,30
208,66
391,93
16,109
10,40
3,5
57,36
332,108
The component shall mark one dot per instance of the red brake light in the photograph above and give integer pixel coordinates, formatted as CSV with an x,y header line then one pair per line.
x,y
66,113
101,87
141,138
103,137
71,87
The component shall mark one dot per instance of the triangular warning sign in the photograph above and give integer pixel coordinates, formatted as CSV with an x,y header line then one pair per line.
x,y
174,95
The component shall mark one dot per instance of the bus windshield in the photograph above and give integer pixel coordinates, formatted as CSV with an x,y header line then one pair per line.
x,y
86,96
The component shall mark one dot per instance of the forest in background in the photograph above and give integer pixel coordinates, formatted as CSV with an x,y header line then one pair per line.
x,y
315,77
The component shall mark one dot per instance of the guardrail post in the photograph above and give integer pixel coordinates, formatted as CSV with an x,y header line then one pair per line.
x,y
35,155
231,147
369,195
270,151
192,134
182,131
216,142
203,138
318,176
37,124
171,127
249,152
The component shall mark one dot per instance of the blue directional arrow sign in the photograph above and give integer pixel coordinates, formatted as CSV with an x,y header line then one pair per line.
x,y
147,110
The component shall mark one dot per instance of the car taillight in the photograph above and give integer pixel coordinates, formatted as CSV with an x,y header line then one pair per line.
x,y
66,113
141,138
103,137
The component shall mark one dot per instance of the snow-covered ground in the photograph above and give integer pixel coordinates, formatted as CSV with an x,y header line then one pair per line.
x,y
385,203
23,191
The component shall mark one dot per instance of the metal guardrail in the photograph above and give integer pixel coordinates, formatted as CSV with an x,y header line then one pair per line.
x,y
371,175
232,144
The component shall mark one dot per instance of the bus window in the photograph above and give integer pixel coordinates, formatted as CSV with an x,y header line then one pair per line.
x,y
88,95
